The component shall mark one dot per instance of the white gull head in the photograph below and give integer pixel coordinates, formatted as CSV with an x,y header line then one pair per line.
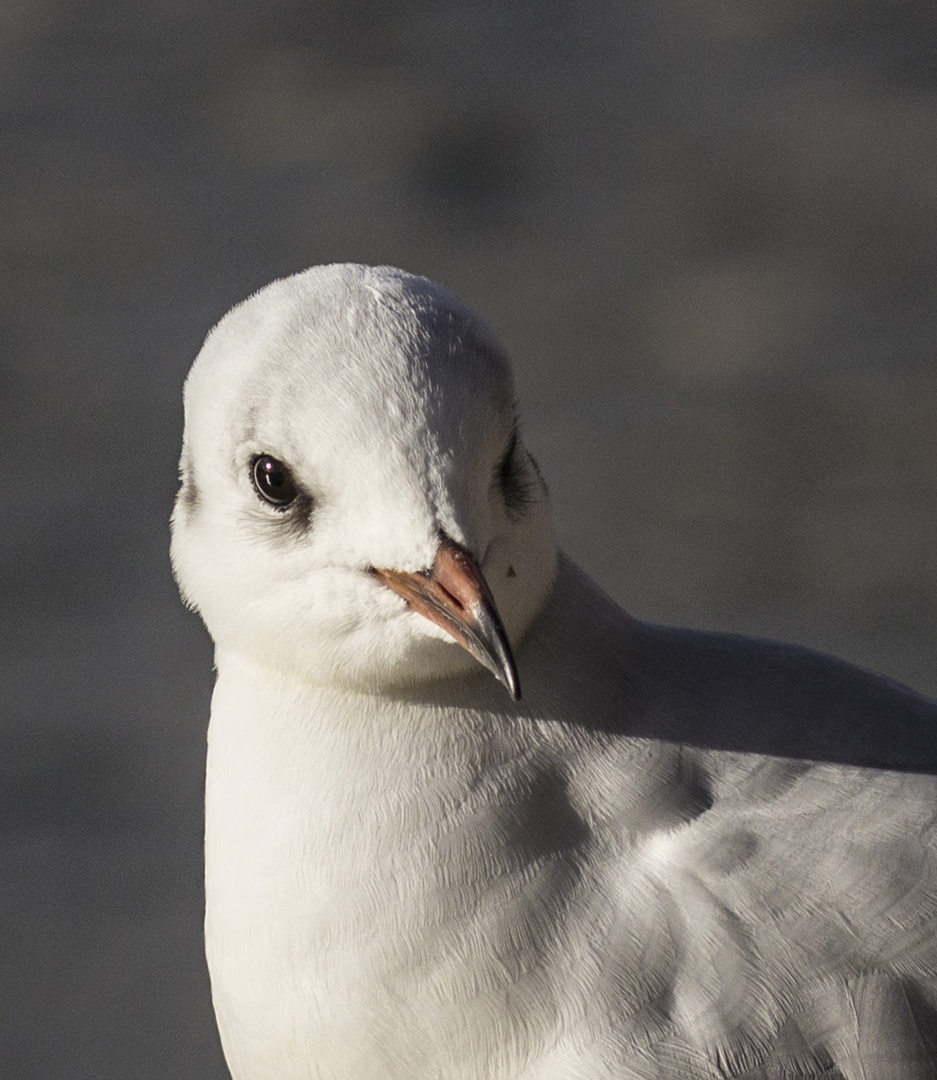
x,y
348,429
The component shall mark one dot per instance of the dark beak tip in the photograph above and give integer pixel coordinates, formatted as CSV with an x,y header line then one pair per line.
x,y
508,678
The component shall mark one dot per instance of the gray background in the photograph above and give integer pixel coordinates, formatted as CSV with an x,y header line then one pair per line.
x,y
706,231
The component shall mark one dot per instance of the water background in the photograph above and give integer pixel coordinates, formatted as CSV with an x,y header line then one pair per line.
x,y
707,233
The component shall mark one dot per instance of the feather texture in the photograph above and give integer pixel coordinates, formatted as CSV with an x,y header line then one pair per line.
x,y
679,855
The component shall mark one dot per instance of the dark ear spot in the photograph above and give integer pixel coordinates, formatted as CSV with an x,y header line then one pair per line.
x,y
189,497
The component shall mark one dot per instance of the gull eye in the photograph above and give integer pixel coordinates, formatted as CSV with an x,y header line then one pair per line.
x,y
273,481
515,481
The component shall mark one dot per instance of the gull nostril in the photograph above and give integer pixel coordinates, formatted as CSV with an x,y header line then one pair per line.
x,y
455,600
434,577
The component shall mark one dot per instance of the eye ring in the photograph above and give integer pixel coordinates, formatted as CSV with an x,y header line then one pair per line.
x,y
273,481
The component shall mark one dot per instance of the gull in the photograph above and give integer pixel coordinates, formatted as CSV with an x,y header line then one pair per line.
x,y
466,819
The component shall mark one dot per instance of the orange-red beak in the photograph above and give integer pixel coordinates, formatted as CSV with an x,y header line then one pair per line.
x,y
454,595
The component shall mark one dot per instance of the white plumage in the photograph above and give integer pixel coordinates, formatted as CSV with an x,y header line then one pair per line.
x,y
678,855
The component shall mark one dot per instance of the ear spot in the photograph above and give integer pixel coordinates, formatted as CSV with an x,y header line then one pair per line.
x,y
512,572
188,496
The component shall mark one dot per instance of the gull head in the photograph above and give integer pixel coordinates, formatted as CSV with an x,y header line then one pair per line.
x,y
357,506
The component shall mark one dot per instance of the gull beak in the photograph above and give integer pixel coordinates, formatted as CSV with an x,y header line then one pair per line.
x,y
454,595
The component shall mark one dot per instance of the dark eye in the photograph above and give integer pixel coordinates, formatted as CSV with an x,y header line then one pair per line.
x,y
517,485
273,481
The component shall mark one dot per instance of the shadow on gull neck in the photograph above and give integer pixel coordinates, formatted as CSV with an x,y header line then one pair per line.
x,y
709,691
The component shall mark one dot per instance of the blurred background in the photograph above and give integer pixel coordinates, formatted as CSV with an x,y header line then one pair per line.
x,y
707,232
